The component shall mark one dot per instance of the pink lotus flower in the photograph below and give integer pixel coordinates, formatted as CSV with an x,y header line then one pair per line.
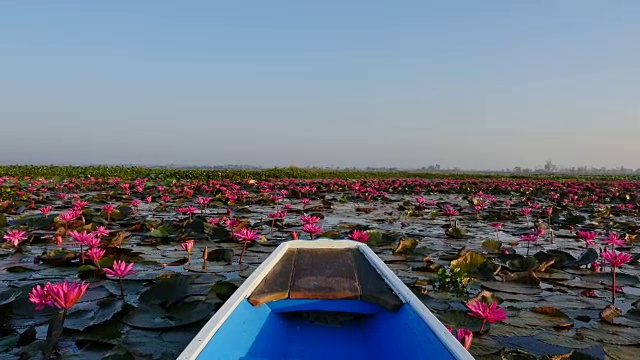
x,y
465,336
109,209
95,254
120,270
15,237
450,212
294,235
188,246
588,236
40,296
81,237
312,229
615,259
68,216
359,235
245,236
614,240
491,313
65,295
309,219
101,231
45,210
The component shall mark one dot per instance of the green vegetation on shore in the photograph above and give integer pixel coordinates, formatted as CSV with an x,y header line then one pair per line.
x,y
52,171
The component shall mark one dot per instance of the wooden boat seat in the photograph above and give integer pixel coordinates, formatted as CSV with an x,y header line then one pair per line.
x,y
329,274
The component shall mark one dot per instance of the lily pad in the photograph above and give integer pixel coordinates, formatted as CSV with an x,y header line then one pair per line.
x,y
405,246
469,262
157,317
89,314
512,288
492,246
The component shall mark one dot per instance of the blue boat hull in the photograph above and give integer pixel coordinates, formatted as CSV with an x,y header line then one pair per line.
x,y
267,332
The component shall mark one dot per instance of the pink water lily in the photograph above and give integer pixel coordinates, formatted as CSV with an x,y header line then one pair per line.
x,y
359,235
15,237
188,246
615,259
245,236
491,313
312,229
120,269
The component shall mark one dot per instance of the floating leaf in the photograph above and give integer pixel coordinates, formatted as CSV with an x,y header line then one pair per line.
x,y
469,263
157,317
492,246
522,264
456,232
406,246
513,288
166,292
89,314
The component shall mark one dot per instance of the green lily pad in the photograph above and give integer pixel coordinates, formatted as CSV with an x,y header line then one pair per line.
x,y
469,262
158,317
492,246
522,264
87,314
406,246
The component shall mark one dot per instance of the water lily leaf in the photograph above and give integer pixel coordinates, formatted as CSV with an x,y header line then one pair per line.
x,y
492,246
485,346
561,339
223,290
162,231
166,291
469,262
460,319
225,255
523,277
522,264
130,287
517,355
143,344
512,288
564,321
587,257
8,295
621,352
195,225
88,314
406,246
157,317
59,257
375,237
561,258
456,232
34,221
611,334
216,232
8,342
3,220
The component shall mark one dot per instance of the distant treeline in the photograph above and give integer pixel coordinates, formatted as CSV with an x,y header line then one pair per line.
x,y
124,171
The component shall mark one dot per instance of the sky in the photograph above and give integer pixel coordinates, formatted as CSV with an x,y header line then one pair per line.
x,y
472,84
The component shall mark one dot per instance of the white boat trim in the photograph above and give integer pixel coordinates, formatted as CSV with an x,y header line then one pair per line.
x,y
205,334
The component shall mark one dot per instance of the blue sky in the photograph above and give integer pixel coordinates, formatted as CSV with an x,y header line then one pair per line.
x,y
472,84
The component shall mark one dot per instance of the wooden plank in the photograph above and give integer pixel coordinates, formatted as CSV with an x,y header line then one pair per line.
x,y
275,285
372,286
324,274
